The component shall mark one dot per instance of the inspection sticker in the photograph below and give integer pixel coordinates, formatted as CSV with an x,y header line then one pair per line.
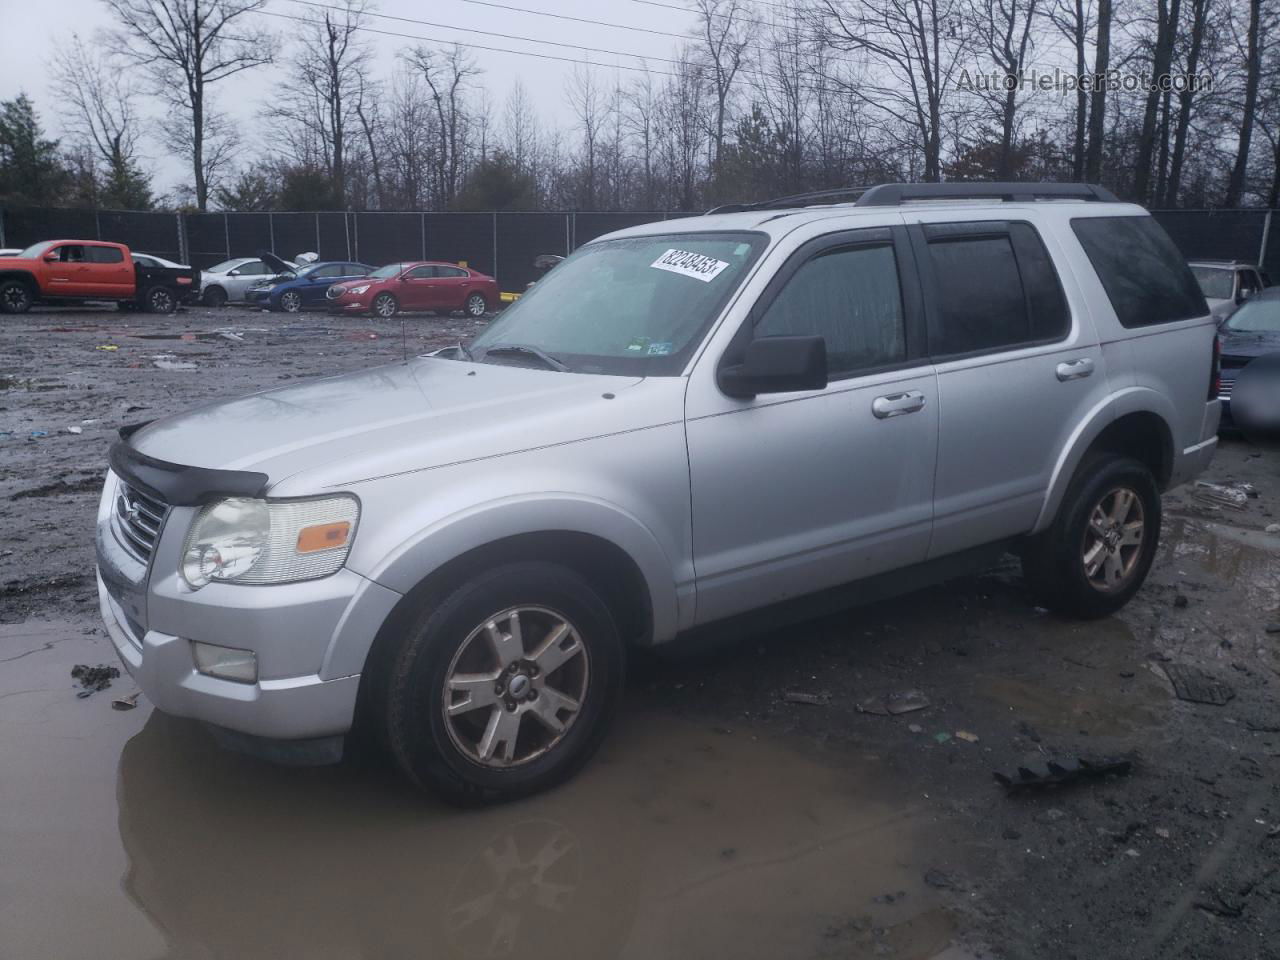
x,y
696,265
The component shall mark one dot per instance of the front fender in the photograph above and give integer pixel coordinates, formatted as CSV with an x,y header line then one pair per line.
x,y
427,550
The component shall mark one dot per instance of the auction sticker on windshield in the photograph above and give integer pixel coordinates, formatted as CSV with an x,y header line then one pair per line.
x,y
696,265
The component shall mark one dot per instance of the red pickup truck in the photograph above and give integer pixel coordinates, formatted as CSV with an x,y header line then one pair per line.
x,y
58,271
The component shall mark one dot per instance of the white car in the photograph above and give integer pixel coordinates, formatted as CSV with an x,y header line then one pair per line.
x,y
231,279
9,251
151,260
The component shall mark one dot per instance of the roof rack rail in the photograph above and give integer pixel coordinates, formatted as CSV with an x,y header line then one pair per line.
x,y
892,194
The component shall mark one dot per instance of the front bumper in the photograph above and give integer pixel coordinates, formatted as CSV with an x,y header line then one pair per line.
x,y
258,298
310,638
348,306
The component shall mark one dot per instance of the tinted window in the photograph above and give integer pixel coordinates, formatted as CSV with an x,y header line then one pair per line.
x,y
144,261
355,270
1146,278
254,268
104,255
451,272
1249,282
329,270
71,254
851,298
422,273
1215,282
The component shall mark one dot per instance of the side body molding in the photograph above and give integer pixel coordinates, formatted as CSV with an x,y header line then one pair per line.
x,y
427,550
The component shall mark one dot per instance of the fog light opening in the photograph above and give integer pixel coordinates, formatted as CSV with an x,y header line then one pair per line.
x,y
225,663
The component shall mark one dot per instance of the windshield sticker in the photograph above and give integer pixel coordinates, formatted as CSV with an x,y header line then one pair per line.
x,y
660,349
696,265
638,345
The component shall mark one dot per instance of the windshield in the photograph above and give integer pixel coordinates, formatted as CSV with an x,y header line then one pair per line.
x,y
636,306
1216,283
390,270
36,249
1256,316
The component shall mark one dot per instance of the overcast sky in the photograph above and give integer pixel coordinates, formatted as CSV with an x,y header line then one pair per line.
x,y
32,31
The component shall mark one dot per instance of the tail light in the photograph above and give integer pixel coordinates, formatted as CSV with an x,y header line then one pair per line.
x,y
1215,372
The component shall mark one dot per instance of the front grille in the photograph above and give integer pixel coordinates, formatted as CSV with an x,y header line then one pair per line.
x,y
138,520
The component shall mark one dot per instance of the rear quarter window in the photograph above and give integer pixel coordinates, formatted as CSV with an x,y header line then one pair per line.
x,y
1146,277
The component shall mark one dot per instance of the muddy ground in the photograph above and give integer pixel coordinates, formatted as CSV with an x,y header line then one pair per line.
x,y
744,807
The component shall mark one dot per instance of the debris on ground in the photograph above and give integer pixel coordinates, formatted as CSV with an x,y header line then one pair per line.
x,y
1272,528
109,347
126,702
93,679
167,361
76,430
799,696
1273,628
892,704
966,736
1069,771
1220,495
1196,686
1221,903
1180,601
942,736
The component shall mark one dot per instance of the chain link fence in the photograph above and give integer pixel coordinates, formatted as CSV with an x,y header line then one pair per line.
x,y
501,244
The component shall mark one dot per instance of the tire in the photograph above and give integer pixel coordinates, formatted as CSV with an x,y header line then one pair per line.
x,y
477,307
215,297
502,747
1085,569
159,300
291,301
385,306
15,297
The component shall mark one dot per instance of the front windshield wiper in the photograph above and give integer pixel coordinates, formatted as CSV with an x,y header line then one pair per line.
x,y
523,350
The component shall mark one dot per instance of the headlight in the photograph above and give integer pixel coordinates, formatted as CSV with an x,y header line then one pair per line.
x,y
269,541
360,289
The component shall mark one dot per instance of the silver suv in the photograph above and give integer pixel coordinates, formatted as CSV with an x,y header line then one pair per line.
x,y
681,424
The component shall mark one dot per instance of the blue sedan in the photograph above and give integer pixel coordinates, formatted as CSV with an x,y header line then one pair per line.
x,y
306,287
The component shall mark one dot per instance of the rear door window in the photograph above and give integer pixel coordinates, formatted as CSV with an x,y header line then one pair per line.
x,y
103,255
422,273
994,288
1146,278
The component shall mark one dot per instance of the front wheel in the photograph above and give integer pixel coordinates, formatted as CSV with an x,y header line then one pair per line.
x,y
15,297
476,306
159,300
385,306
291,301
1097,553
507,686
215,297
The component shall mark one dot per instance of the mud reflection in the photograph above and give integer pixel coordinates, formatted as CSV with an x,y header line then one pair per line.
x,y
676,842
1248,559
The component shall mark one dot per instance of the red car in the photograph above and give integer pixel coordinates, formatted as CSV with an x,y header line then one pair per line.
x,y
420,285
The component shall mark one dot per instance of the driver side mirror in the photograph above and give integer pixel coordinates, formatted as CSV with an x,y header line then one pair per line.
x,y
51,257
777,365
234,273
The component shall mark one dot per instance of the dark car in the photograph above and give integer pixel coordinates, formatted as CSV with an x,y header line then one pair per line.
x,y
416,285
306,287
1250,332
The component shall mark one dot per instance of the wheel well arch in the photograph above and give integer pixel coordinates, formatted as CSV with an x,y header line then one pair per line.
x,y
1143,435
601,562
23,275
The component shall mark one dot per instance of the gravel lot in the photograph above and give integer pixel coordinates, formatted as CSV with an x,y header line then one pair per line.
x,y
745,807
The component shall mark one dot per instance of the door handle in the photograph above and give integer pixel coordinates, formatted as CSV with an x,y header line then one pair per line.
x,y
896,404
1075,369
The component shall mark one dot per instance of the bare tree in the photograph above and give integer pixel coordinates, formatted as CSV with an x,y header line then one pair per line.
x,y
448,75
327,72
100,110
723,36
1199,24
640,117
520,126
919,45
1167,13
368,108
1098,96
589,109
186,46
1006,28
1253,74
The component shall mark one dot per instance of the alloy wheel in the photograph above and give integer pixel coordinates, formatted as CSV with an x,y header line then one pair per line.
x,y
16,298
515,687
476,306
291,302
161,300
1113,540
385,306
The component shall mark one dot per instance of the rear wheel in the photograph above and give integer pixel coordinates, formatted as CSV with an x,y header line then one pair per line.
x,y
159,300
476,306
291,301
1097,554
215,297
385,306
507,686
15,297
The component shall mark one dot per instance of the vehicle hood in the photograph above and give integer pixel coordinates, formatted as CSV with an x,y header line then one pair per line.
x,y
425,413
1248,344
275,263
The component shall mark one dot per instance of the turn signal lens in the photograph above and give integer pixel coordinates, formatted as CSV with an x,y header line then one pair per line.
x,y
324,536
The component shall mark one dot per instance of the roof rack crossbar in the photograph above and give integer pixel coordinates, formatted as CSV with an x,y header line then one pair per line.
x,y
893,194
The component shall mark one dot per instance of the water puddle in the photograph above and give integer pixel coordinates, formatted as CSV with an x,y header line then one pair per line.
x,y
1247,559
131,834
